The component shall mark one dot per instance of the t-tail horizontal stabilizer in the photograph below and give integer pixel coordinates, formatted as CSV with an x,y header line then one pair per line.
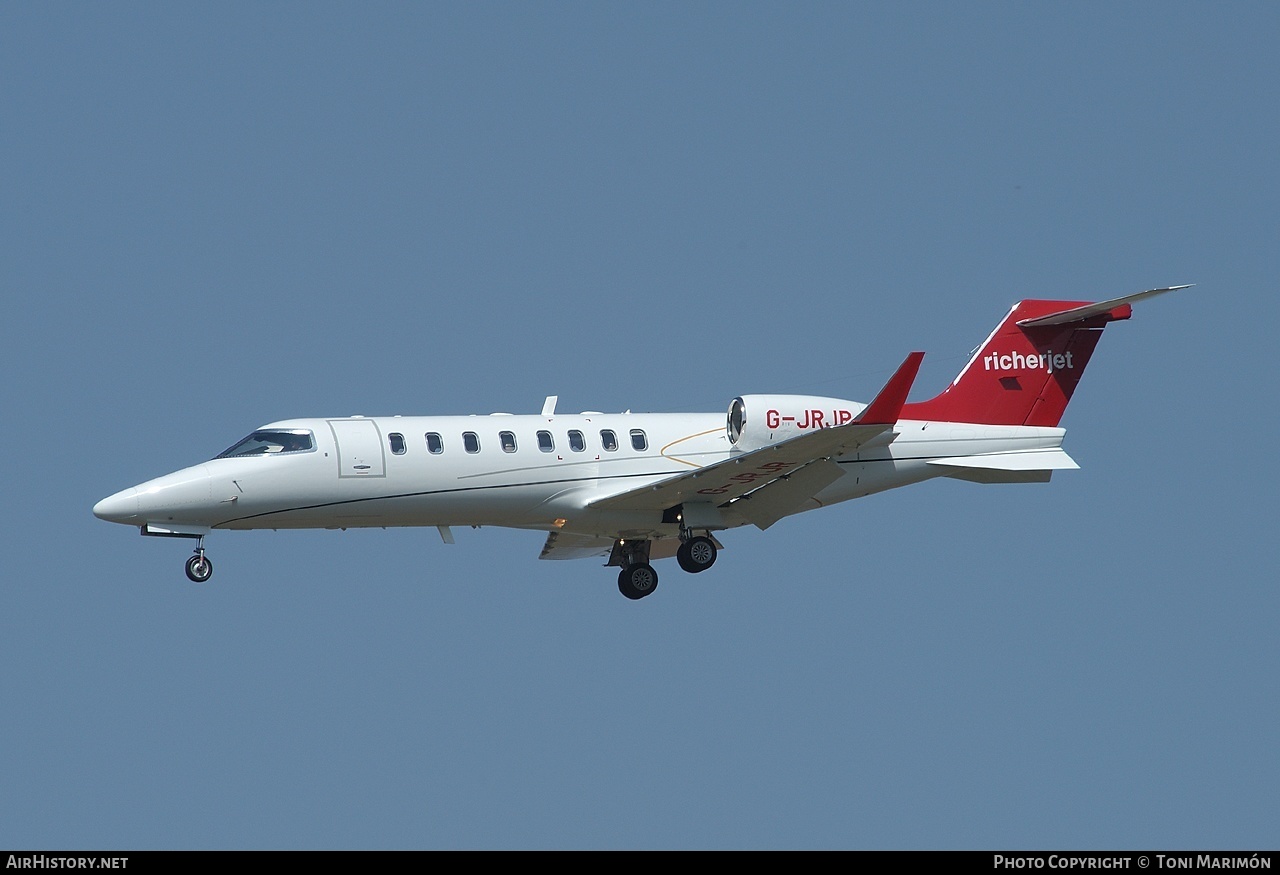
x,y
1027,369
1116,309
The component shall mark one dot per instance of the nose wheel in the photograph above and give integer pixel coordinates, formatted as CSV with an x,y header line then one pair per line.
x,y
199,566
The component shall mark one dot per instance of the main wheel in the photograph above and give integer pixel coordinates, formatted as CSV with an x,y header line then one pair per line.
x,y
637,581
696,554
199,568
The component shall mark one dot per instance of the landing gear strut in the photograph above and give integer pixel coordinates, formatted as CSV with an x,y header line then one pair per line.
x,y
199,566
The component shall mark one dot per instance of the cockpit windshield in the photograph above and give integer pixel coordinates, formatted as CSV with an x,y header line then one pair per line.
x,y
261,443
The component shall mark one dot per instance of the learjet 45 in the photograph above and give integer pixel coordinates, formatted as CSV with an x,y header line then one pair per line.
x,y
636,488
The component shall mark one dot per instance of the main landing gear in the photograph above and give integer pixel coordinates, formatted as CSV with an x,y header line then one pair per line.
x,y
199,566
697,554
638,579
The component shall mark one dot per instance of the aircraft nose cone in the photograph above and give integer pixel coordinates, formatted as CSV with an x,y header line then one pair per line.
x,y
119,508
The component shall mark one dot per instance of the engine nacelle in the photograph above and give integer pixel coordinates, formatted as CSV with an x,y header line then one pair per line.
x,y
759,420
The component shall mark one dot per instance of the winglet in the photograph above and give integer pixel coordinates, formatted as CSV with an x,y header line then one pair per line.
x,y
887,406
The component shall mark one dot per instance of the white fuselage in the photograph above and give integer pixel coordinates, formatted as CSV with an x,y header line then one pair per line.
x,y
359,473
642,487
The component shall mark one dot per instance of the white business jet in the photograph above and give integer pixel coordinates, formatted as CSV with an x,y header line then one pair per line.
x,y
641,487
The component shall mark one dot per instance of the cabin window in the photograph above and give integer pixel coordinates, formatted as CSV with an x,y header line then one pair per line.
x,y
470,442
638,440
435,444
397,443
546,442
577,442
608,440
508,441
261,443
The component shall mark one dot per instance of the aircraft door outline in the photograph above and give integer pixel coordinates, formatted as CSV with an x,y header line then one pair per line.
x,y
359,446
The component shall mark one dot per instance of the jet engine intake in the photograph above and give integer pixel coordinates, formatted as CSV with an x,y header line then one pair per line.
x,y
756,421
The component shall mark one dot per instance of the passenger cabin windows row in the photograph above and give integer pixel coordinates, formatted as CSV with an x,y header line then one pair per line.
x,y
507,440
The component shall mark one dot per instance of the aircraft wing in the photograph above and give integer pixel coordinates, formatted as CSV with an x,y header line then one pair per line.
x,y
787,473
569,545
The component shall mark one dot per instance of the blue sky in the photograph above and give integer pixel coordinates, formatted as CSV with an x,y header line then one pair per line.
x,y
214,217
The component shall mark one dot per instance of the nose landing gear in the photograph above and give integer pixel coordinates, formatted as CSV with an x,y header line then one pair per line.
x,y
199,566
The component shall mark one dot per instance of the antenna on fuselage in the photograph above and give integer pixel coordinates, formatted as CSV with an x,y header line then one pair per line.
x,y
549,406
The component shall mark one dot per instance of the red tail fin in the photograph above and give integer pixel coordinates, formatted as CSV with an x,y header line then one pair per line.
x,y
1026,371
